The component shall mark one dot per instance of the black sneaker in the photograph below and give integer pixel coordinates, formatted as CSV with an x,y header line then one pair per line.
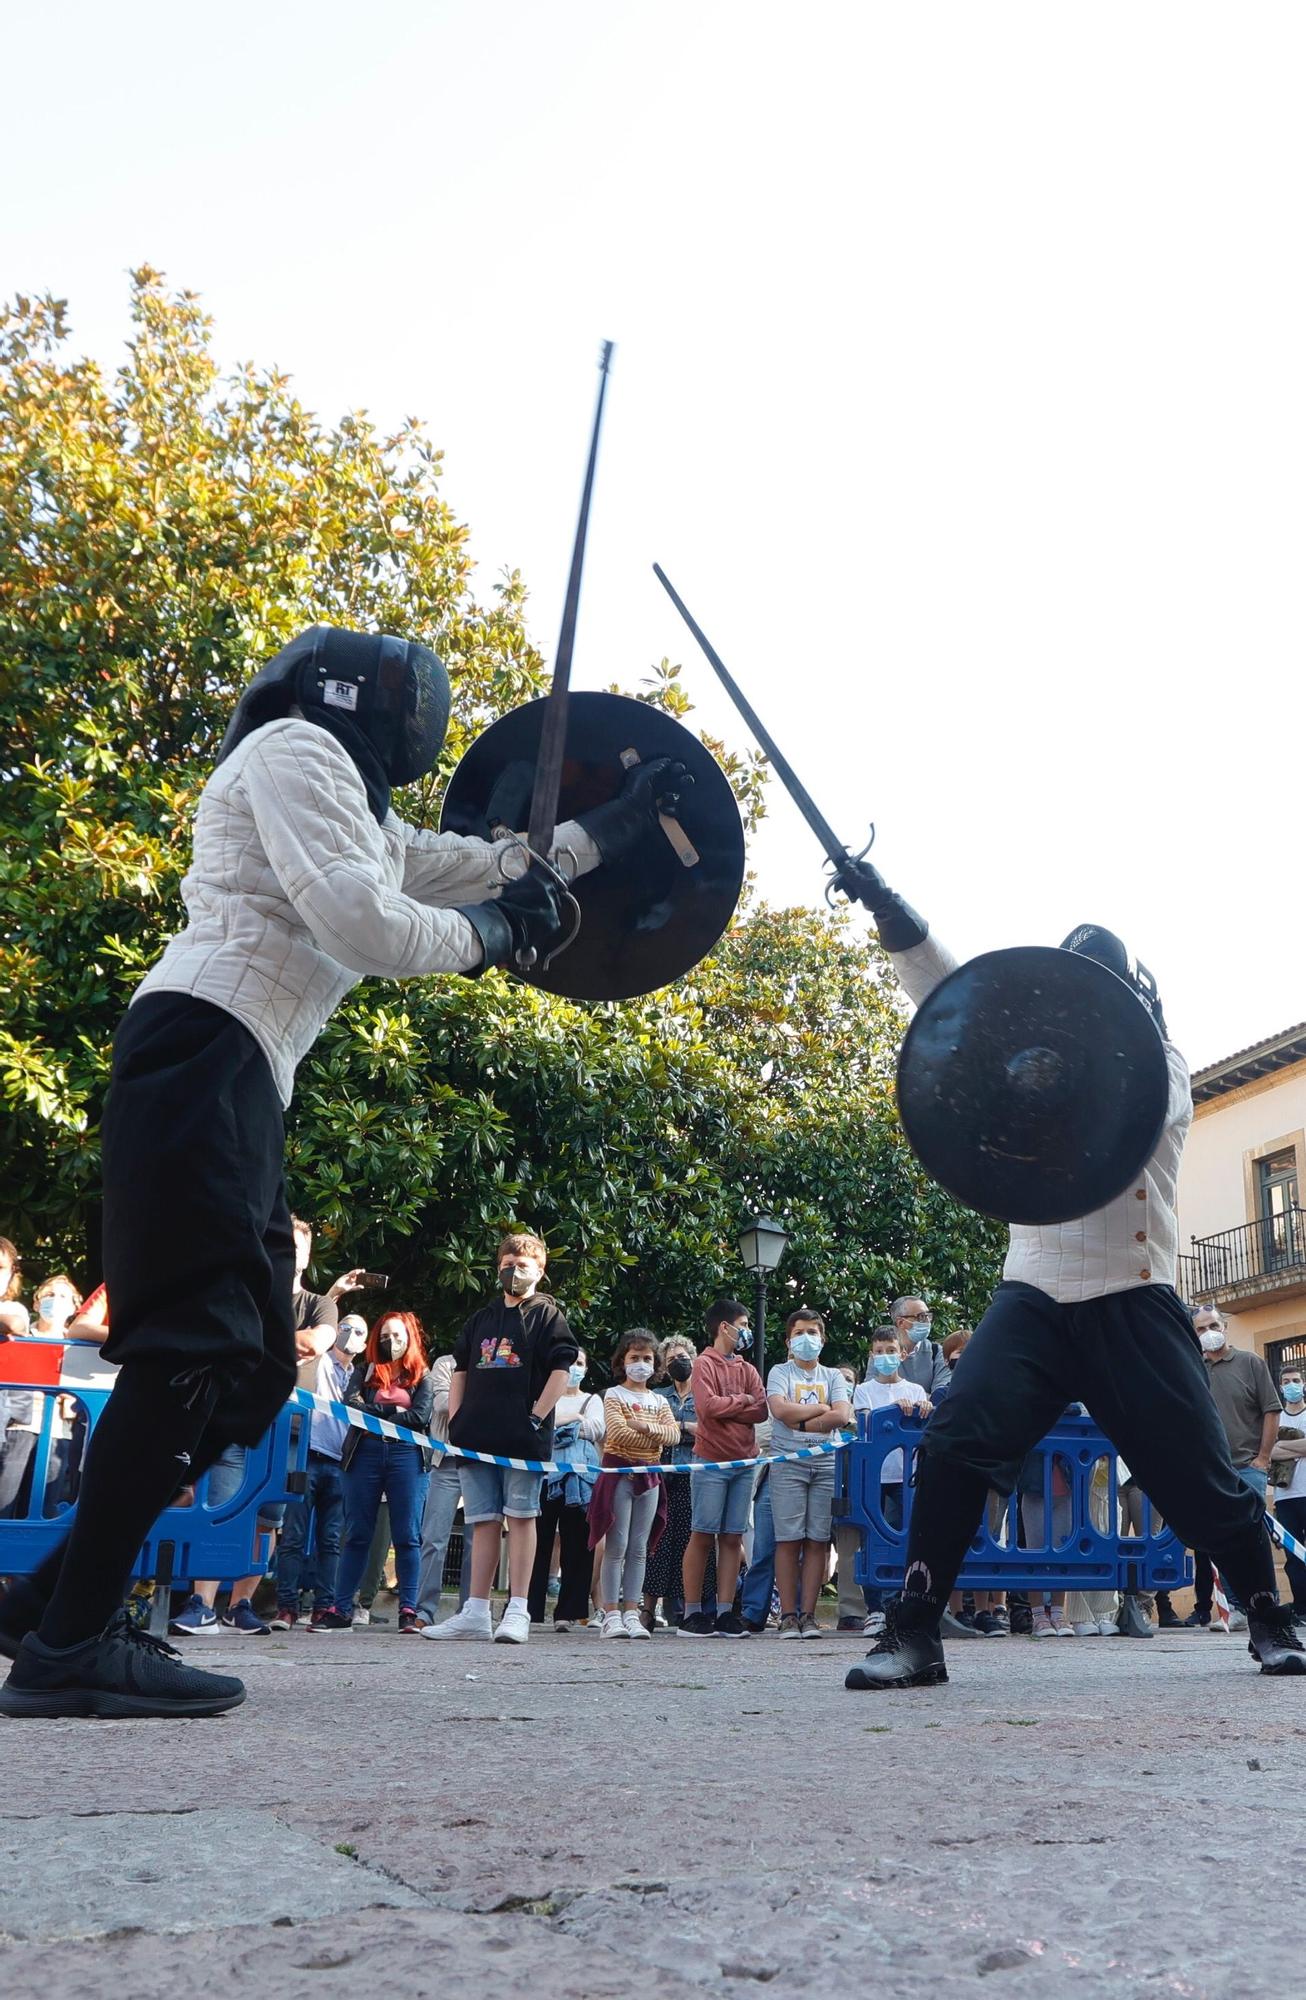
x,y
909,1659
123,1672
697,1625
1166,1617
1275,1641
731,1626
1196,1617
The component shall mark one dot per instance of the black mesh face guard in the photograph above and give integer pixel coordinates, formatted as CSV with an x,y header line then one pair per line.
x,y
1093,941
396,693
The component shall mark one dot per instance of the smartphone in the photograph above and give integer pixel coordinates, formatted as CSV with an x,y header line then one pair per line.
x,y
373,1281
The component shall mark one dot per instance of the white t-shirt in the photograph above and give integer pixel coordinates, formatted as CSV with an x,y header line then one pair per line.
x,y
877,1395
821,1387
1297,1489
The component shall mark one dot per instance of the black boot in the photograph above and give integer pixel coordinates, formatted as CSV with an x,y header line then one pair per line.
x,y
901,1659
1132,1622
1165,1612
1275,1641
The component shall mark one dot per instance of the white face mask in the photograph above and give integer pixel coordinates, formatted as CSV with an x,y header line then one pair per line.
x,y
1212,1340
638,1371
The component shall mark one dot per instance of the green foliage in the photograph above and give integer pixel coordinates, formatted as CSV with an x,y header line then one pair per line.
x,y
161,533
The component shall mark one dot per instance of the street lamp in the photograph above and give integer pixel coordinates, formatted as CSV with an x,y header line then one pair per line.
x,y
762,1243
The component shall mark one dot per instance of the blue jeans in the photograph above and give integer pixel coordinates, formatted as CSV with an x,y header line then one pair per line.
x,y
382,1466
323,1504
759,1578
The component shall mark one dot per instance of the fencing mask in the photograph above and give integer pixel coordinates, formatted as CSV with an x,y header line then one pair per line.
x,y
1092,941
385,700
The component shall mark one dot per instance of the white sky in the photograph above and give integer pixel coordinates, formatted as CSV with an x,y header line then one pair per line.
x,y
958,385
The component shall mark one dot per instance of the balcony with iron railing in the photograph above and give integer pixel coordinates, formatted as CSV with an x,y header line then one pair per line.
x,y
1257,1260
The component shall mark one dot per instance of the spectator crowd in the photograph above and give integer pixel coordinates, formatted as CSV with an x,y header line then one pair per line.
x,y
611,1541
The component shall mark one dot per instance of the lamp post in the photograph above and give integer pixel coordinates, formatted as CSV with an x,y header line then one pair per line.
x,y
762,1243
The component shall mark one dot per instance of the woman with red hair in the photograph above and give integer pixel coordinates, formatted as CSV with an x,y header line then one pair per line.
x,y
391,1380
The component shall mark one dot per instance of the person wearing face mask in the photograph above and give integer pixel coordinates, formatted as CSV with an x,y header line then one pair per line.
x,y
323,1503
731,1401
578,1427
391,1379
1086,1312
807,1402
628,1512
1288,1454
923,1359
512,1365
54,1304
1249,1410
886,1384
663,1577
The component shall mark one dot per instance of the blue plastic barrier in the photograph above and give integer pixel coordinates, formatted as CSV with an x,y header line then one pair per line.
x,y
1072,1553
202,1540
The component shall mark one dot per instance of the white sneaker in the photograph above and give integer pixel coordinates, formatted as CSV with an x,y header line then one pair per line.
x,y
1107,1628
1088,1628
362,1617
1059,1625
465,1624
874,1626
1042,1628
634,1626
612,1625
562,1624
514,1628
1237,1621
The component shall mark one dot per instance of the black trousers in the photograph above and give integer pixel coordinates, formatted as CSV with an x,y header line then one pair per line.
x,y
572,1526
1133,1360
199,1256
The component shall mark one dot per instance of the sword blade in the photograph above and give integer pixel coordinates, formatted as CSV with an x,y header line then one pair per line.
x,y
784,770
553,735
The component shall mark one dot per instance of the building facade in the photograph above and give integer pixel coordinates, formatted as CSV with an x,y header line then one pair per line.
x,y
1241,1222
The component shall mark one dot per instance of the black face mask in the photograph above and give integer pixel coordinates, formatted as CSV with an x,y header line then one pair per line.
x,y
392,1346
680,1369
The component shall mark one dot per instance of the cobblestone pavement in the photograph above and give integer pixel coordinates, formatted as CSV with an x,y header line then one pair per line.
x,y
600,1818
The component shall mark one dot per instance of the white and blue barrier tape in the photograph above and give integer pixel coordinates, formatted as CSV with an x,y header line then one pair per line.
x,y
363,1420
1286,1541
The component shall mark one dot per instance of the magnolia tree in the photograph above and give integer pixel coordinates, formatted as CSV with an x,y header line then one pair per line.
x,y
162,531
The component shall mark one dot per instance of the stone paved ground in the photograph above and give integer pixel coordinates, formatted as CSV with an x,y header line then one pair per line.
x,y
600,1818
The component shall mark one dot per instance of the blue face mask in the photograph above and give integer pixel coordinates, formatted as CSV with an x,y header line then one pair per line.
x,y
805,1346
743,1339
885,1364
1292,1392
576,1374
917,1329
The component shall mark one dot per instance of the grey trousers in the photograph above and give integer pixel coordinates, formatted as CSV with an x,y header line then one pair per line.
x,y
625,1550
442,1497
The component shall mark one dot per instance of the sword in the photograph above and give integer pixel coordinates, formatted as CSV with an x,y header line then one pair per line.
x,y
553,738
836,852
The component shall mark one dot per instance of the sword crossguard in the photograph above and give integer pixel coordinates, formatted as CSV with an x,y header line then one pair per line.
x,y
831,880
529,960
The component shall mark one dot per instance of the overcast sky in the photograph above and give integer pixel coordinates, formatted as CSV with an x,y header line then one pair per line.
x,y
958,386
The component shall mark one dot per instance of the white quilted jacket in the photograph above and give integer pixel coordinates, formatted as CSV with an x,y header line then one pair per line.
x,y
1135,1238
295,893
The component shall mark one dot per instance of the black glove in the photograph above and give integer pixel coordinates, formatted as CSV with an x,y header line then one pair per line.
x,y
528,916
618,826
509,803
898,924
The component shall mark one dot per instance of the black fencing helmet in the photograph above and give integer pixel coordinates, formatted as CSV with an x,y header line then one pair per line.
x,y
385,700
1093,941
